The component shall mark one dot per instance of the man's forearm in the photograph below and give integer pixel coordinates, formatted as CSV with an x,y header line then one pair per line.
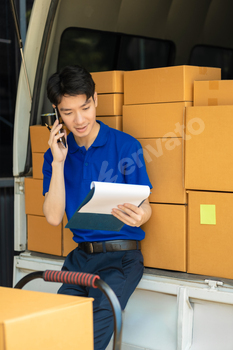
x,y
54,203
147,210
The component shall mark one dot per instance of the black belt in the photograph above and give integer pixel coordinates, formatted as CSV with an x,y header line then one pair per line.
x,y
109,246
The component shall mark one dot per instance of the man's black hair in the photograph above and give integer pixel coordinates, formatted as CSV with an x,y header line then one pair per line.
x,y
71,81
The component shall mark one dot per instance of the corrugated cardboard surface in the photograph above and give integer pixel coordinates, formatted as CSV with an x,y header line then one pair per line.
x,y
155,120
164,246
34,198
32,320
110,104
165,167
43,237
208,148
37,164
209,245
213,93
113,122
168,84
39,138
68,242
108,82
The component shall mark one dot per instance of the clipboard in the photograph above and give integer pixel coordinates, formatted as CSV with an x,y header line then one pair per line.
x,y
94,213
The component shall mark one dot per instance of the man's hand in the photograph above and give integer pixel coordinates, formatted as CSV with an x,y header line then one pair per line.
x,y
132,215
59,152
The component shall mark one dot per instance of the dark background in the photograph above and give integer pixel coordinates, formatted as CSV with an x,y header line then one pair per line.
x,y
10,61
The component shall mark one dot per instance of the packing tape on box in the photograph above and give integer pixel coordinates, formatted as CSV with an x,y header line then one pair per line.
x,y
203,70
212,102
213,85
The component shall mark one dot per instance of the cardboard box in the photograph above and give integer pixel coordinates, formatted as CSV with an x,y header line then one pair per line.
x,y
37,164
210,228
164,246
155,120
68,243
34,198
43,237
34,320
213,93
108,82
39,138
110,104
165,167
208,148
168,84
113,122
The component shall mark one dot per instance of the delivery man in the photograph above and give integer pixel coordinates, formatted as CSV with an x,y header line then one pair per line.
x,y
94,152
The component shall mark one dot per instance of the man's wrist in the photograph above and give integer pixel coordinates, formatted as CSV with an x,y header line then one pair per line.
x,y
57,165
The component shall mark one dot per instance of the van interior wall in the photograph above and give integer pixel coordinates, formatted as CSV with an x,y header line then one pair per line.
x,y
185,23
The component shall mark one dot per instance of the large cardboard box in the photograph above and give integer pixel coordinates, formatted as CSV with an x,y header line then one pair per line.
x,y
155,120
108,82
68,243
112,121
34,198
43,237
168,84
37,164
110,104
164,160
213,93
164,246
39,138
33,320
208,148
210,238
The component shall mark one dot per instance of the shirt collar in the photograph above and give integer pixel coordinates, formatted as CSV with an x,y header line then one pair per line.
x,y
100,140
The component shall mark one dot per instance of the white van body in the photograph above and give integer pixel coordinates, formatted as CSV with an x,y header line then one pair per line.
x,y
169,310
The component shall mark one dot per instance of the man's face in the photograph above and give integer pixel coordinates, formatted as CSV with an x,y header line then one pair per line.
x,y
79,115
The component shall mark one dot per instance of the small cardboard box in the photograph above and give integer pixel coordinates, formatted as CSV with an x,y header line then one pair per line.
x,y
34,320
37,164
39,138
155,120
208,148
34,198
164,246
43,237
168,84
110,104
213,93
68,243
164,160
210,238
108,82
113,122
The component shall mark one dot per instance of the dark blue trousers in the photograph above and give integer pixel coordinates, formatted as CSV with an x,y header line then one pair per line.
x,y
121,270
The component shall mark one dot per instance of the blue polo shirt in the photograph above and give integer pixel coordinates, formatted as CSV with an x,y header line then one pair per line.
x,y
114,156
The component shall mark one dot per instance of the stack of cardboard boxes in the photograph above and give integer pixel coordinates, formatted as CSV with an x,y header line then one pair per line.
x,y
209,179
154,113
42,237
110,89
183,118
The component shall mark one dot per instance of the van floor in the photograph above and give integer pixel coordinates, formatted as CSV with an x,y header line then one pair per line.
x,y
176,275
186,276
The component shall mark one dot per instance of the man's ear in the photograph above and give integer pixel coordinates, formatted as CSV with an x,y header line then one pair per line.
x,y
95,99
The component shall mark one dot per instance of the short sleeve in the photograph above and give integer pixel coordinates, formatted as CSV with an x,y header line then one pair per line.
x,y
47,171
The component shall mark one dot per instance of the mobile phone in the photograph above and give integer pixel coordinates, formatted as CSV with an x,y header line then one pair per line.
x,y
62,139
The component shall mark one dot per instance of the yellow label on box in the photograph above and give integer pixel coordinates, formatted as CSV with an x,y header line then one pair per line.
x,y
207,214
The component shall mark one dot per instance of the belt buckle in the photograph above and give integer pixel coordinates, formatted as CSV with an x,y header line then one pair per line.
x,y
90,248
